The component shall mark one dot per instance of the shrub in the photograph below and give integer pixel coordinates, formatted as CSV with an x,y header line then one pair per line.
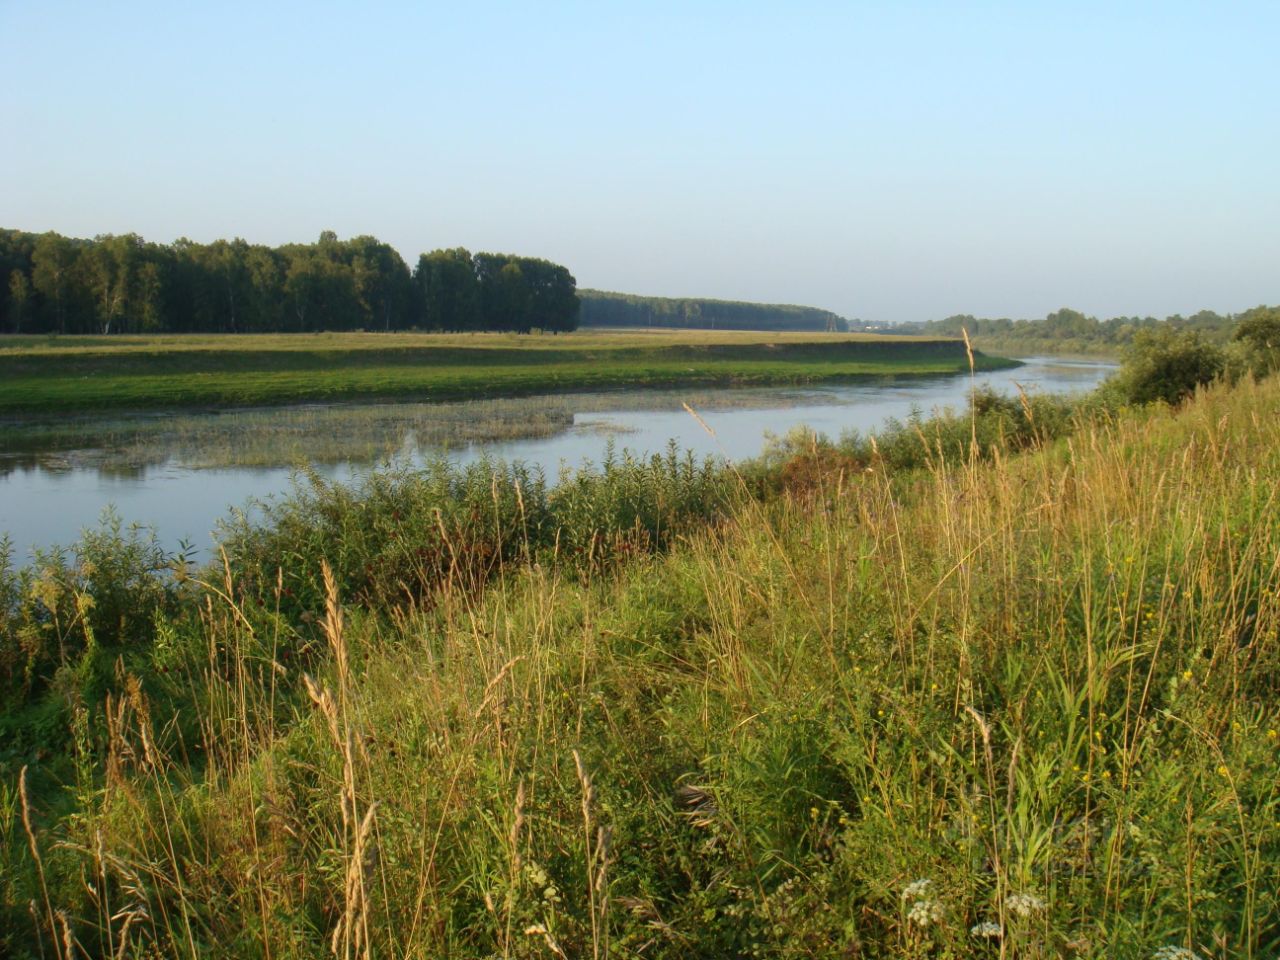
x,y
1168,366
105,596
1258,337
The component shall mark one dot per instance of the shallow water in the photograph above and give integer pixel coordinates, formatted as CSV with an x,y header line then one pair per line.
x,y
48,499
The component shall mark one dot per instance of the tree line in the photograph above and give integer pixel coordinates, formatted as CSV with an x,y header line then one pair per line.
x,y
604,309
124,284
1071,328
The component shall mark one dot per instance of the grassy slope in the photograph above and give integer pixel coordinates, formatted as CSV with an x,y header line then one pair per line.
x,y
38,375
1052,677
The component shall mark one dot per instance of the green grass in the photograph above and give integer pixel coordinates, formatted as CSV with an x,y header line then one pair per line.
x,y
657,711
71,375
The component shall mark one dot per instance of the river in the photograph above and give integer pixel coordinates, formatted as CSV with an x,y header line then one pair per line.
x,y
48,498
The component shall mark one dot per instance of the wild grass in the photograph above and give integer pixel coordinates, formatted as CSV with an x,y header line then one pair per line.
x,y
50,376
1021,704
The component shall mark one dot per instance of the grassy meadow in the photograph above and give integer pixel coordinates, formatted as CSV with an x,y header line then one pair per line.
x,y
885,698
44,375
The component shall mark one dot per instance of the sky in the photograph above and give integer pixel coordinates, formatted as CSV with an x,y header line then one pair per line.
x,y
894,161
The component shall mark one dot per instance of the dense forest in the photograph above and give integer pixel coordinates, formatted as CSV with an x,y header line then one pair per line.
x,y
124,284
603,309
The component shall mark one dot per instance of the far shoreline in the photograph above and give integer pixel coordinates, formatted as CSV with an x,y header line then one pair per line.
x,y
91,376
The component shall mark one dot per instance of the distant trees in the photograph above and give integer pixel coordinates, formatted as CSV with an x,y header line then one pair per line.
x,y
19,298
123,284
110,267
52,260
603,309
1164,360
1257,337
1167,363
449,290
495,291
1067,330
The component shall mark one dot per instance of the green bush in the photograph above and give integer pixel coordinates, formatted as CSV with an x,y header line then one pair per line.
x,y
1258,339
105,596
1168,366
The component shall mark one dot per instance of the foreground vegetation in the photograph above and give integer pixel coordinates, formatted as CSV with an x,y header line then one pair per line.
x,y
40,375
1002,683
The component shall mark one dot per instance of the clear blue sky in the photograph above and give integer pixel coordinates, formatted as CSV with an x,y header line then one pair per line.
x,y
893,161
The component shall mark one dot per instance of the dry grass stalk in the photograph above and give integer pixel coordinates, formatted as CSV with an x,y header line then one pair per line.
x,y
35,856
515,862
69,942
119,712
973,393
702,423
351,935
538,930
597,863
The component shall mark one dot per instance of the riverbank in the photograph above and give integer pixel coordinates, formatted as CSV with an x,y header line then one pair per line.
x,y
54,376
182,473
1049,347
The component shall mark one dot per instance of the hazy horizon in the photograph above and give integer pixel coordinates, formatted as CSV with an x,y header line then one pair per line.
x,y
895,164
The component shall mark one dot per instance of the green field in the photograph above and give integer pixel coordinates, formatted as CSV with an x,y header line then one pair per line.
x,y
91,374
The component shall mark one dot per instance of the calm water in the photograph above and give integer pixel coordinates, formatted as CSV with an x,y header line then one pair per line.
x,y
49,502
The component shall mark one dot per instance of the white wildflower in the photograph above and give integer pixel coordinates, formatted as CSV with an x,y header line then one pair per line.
x,y
1024,904
539,879
916,890
925,912
1171,952
986,930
